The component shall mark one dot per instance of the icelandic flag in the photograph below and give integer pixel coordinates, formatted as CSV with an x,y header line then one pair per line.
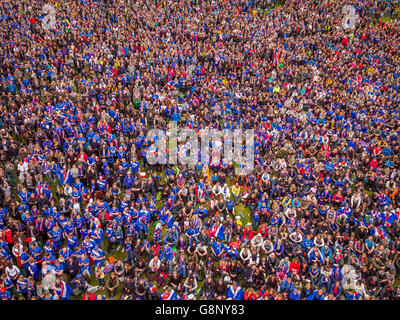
x,y
217,232
169,295
30,158
66,177
157,232
64,292
384,200
199,190
381,232
235,294
39,188
363,223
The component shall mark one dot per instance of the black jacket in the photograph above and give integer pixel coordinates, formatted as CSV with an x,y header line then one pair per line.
x,y
221,289
72,269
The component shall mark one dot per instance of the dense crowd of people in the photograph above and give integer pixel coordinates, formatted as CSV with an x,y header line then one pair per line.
x,y
85,216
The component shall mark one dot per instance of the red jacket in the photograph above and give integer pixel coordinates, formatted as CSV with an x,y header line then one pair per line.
x,y
6,235
249,296
263,234
294,267
89,296
248,234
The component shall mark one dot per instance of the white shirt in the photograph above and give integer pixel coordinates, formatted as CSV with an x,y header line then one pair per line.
x,y
23,168
13,271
